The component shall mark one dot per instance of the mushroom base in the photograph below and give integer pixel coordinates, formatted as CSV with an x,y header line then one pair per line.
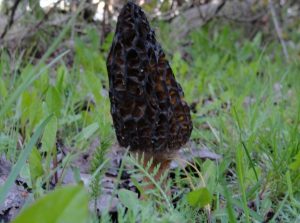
x,y
157,159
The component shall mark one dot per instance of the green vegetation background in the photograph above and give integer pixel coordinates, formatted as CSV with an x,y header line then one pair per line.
x,y
246,108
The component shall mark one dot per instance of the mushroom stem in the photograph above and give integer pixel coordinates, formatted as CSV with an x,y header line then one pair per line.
x,y
164,165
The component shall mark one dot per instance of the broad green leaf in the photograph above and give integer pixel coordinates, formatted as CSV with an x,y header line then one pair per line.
x,y
150,6
165,6
94,37
179,66
296,164
69,119
210,170
3,90
199,197
42,83
35,165
128,198
107,42
54,101
61,82
25,174
68,204
49,136
24,111
5,142
94,85
87,132
31,109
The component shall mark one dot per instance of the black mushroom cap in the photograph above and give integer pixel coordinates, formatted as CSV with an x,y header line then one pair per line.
x,y
147,106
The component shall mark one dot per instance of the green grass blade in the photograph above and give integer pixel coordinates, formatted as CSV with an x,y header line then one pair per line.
x,y
22,160
244,145
229,205
241,176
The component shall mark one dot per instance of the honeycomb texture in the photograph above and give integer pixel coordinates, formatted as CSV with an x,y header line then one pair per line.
x,y
147,106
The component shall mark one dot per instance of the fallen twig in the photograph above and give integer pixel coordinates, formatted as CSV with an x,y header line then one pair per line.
x,y
278,30
11,18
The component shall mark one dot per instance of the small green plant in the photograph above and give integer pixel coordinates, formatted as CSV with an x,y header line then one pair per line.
x,y
99,158
68,204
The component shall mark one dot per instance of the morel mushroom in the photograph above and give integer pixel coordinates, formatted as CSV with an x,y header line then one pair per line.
x,y
149,113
